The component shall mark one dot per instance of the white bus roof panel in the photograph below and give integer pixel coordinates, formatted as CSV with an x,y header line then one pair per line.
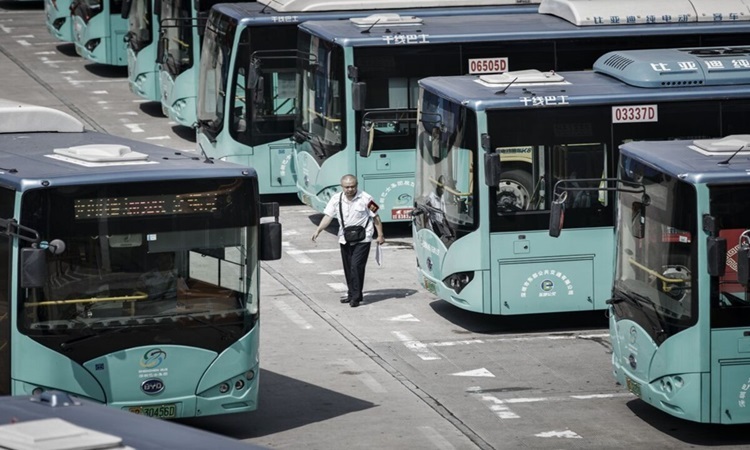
x,y
357,5
55,434
16,117
618,12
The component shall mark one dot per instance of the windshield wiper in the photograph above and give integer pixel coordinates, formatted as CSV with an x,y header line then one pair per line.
x,y
316,142
638,300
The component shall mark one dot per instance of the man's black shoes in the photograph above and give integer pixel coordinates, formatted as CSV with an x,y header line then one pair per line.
x,y
353,304
344,300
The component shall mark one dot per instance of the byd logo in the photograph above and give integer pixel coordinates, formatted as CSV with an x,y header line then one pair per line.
x,y
152,386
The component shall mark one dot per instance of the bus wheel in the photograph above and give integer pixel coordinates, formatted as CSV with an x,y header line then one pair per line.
x,y
514,190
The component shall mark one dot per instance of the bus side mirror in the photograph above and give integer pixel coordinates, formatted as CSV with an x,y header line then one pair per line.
x,y
270,233
716,248
556,217
743,265
161,48
359,92
157,8
492,169
33,267
365,140
638,220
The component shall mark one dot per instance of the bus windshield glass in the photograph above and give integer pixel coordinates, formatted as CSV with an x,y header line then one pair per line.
x,y
125,254
730,300
656,240
446,185
87,9
139,24
215,54
320,120
178,35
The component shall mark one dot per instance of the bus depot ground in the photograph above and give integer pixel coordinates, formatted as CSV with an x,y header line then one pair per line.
x,y
404,370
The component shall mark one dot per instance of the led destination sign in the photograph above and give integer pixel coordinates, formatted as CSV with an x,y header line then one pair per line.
x,y
148,205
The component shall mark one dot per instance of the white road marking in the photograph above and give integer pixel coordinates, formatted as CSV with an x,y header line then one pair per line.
x,y
134,127
100,92
6,29
482,372
297,255
436,438
495,405
568,434
158,138
292,315
24,43
365,378
417,347
551,337
45,53
338,287
68,72
338,272
290,233
404,318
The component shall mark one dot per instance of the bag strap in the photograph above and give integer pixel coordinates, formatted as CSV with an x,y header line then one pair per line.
x,y
341,211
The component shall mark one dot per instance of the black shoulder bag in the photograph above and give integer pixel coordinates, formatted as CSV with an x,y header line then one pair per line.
x,y
352,233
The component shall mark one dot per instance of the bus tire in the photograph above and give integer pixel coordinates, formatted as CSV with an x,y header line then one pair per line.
x,y
514,190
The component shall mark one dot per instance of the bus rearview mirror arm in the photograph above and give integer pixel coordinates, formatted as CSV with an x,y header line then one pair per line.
x,y
560,196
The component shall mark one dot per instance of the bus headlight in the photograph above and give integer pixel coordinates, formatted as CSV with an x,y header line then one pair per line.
x,y
58,23
459,280
224,388
92,44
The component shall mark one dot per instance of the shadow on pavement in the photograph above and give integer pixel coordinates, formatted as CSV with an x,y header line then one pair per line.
x,y
471,322
690,433
285,404
68,49
152,109
377,295
105,71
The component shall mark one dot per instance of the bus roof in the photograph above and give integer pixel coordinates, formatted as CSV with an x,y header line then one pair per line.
x,y
258,14
617,12
619,77
30,160
353,5
534,26
704,161
17,117
131,430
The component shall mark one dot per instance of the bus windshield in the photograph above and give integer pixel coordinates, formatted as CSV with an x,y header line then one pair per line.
x,y
446,185
87,9
125,257
212,88
178,36
320,121
656,262
730,300
139,24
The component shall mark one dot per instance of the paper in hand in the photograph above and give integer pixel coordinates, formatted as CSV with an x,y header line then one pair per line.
x,y
379,254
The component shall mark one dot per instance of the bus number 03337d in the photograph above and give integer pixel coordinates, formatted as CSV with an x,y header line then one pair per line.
x,y
635,113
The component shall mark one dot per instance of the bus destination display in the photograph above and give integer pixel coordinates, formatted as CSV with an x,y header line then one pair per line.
x,y
147,205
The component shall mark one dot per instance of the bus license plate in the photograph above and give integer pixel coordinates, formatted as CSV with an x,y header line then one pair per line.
x,y
633,387
158,411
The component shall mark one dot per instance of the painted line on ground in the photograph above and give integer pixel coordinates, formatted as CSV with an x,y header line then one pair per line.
x,y
292,314
352,368
416,346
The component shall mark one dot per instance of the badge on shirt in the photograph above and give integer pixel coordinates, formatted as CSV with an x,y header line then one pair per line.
x,y
372,206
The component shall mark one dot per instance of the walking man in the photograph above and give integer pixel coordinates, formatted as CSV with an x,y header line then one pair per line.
x,y
354,209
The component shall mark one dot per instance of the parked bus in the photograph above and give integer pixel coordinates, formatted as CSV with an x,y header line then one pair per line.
x,y
129,271
58,19
56,420
236,35
491,147
141,42
99,31
182,25
358,95
680,315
